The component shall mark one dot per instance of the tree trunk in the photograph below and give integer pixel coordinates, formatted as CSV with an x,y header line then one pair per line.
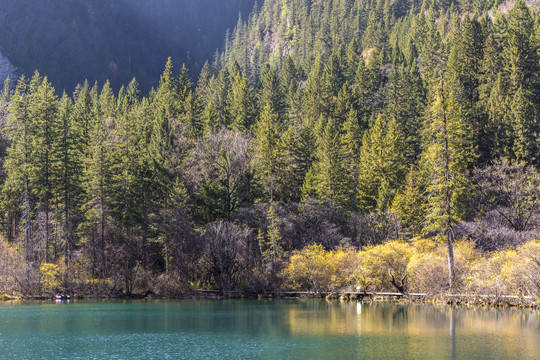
x,y
27,222
127,275
448,205
103,262
46,230
451,270
66,234
144,239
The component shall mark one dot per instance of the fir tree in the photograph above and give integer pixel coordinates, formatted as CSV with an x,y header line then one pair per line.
x,y
42,110
269,151
382,165
68,164
449,150
240,103
525,128
18,164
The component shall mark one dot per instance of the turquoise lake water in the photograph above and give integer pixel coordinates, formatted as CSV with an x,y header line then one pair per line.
x,y
279,329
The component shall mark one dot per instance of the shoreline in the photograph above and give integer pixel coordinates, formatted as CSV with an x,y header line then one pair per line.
x,y
469,300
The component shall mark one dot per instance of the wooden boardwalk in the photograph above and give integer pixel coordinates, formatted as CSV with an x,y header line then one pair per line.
x,y
349,294
397,295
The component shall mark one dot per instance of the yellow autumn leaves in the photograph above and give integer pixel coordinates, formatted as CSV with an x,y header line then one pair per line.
x,y
416,266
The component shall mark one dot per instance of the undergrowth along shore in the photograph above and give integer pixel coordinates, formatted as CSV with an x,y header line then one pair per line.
x,y
414,270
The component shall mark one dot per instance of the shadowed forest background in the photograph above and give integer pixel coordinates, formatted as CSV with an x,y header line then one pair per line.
x,y
384,144
99,40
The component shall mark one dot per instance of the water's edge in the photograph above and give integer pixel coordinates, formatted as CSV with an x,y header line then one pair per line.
x,y
471,300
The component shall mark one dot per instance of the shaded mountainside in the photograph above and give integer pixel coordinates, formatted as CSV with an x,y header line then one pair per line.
x,y
116,40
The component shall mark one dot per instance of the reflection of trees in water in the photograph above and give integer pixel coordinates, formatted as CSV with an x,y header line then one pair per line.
x,y
452,334
421,331
400,315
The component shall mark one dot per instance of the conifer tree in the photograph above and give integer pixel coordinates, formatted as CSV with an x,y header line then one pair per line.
x,y
366,85
290,77
203,84
449,151
302,154
68,168
405,105
499,126
332,182
217,96
271,245
82,113
318,93
18,164
382,164
270,92
123,160
525,128
42,110
269,152
520,53
97,177
409,203
166,112
193,116
492,64
351,142
240,103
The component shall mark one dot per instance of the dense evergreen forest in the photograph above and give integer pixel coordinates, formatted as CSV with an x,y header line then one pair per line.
x,y
386,144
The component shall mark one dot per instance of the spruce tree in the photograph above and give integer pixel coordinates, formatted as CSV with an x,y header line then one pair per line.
x,y
68,169
351,142
43,111
18,164
240,103
97,178
525,128
449,151
382,165
329,169
520,52
269,152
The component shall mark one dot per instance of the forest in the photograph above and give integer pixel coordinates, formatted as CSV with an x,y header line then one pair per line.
x,y
331,145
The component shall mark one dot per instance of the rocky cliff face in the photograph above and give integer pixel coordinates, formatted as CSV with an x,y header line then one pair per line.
x,y
6,68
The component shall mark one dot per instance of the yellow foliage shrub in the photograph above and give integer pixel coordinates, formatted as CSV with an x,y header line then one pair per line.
x,y
465,256
346,268
495,274
423,245
315,269
466,249
529,267
50,277
386,264
428,272
309,269
419,266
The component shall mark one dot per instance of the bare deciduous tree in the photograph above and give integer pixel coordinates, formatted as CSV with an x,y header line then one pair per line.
x,y
511,191
225,248
222,157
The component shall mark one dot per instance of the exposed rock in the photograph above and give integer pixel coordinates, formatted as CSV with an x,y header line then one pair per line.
x,y
6,68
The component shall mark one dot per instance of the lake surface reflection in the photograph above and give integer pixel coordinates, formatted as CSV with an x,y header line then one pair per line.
x,y
279,329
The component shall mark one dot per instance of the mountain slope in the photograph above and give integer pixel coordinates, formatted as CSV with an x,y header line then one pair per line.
x,y
116,40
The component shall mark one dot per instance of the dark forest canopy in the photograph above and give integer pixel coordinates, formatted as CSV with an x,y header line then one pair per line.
x,y
342,124
117,40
